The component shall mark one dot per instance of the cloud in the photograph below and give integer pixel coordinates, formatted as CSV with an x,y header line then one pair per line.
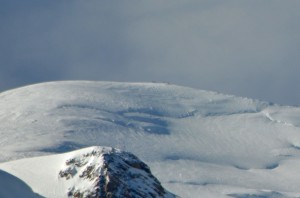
x,y
247,48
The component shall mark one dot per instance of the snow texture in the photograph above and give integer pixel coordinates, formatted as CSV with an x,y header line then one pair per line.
x,y
197,143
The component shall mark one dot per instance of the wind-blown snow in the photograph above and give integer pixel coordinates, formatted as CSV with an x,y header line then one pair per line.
x,y
196,142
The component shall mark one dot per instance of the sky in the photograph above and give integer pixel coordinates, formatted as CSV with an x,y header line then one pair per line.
x,y
245,48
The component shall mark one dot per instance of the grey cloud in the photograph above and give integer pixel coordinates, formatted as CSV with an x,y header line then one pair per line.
x,y
247,48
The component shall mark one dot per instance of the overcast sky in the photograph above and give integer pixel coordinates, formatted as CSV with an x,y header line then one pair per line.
x,y
246,48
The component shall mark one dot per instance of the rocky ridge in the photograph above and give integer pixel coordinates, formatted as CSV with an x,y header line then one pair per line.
x,y
104,172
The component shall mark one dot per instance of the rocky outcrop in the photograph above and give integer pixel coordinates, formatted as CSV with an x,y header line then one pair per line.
x,y
103,172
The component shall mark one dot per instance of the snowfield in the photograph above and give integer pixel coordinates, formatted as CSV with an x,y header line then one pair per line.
x,y
197,143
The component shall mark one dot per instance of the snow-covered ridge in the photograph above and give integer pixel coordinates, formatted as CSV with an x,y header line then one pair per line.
x,y
93,172
107,172
62,111
195,142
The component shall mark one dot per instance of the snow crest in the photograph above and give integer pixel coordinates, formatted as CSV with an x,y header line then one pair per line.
x,y
107,172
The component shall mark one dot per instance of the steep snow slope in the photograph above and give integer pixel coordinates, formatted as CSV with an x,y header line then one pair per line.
x,y
11,186
90,172
196,142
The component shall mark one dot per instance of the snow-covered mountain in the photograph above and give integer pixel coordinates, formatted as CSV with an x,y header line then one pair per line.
x,y
94,172
197,143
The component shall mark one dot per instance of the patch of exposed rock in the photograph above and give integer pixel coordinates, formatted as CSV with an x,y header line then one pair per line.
x,y
104,172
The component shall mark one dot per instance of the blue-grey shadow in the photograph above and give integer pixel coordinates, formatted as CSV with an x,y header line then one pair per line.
x,y
63,147
272,194
12,187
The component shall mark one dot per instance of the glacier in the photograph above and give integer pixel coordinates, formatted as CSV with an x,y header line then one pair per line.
x,y
197,143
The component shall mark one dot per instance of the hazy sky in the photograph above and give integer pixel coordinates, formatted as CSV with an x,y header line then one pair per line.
x,y
247,48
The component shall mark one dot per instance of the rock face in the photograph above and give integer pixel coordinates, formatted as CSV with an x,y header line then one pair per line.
x,y
104,172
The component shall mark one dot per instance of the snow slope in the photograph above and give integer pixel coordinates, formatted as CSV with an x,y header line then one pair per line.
x,y
11,186
89,172
195,142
